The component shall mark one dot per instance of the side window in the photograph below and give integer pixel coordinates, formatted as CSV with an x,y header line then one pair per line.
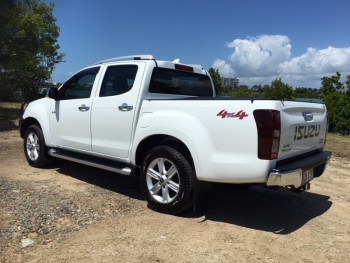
x,y
79,86
118,80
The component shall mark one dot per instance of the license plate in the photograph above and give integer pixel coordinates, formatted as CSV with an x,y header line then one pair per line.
x,y
308,175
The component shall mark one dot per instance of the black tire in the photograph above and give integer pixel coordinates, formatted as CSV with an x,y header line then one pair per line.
x,y
167,180
34,147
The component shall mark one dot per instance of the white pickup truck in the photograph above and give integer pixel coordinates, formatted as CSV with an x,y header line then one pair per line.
x,y
162,121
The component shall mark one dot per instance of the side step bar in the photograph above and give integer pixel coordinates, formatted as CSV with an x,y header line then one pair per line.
x,y
91,161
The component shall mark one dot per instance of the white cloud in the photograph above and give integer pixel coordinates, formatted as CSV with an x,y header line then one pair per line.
x,y
316,61
224,68
258,60
259,56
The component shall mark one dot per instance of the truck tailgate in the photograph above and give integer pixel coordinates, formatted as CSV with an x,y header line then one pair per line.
x,y
303,128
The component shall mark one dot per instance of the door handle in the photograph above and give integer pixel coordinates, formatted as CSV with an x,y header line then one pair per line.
x,y
125,107
84,108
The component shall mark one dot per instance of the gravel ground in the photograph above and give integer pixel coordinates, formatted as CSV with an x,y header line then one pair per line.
x,y
36,209
39,213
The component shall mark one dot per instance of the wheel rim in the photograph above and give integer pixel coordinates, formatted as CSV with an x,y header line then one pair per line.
x,y
163,180
33,146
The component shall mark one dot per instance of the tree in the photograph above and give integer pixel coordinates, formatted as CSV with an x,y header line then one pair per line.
x,y
303,92
28,48
242,91
336,96
216,77
347,83
279,91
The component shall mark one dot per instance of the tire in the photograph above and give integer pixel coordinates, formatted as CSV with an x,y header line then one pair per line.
x,y
167,180
34,147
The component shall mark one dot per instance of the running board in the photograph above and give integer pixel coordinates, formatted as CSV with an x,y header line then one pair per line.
x,y
91,161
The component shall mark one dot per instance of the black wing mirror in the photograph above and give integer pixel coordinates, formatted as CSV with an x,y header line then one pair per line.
x,y
53,93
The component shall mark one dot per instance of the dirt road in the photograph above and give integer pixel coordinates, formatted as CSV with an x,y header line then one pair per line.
x,y
73,213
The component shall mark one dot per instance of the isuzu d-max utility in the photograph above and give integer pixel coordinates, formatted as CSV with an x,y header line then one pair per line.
x,y
162,121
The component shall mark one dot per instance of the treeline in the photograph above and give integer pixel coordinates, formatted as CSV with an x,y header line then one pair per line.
x,y
276,90
261,90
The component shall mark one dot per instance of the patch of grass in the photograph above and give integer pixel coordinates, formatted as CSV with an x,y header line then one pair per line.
x,y
9,111
10,105
339,145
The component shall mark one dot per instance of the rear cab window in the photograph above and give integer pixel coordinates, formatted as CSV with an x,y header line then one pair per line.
x,y
178,82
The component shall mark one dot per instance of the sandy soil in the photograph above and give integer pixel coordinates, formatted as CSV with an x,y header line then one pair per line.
x,y
73,213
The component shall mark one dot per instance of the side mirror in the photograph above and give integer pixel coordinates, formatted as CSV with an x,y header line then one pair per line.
x,y
53,93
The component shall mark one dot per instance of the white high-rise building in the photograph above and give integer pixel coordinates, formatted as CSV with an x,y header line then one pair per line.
x,y
230,82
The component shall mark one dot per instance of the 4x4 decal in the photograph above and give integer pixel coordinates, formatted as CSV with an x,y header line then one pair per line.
x,y
240,114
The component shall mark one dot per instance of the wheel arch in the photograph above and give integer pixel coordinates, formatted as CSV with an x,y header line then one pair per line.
x,y
158,140
28,122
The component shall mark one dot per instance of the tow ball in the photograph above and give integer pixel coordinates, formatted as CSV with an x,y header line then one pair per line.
x,y
300,189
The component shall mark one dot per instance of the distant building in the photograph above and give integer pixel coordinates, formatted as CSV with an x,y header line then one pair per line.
x,y
230,82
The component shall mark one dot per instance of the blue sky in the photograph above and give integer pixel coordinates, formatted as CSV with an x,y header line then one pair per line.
x,y
257,41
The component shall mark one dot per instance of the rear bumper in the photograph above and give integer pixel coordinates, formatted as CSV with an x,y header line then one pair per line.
x,y
299,172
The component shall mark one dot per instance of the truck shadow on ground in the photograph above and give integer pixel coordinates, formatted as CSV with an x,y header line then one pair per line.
x,y
122,184
8,125
279,211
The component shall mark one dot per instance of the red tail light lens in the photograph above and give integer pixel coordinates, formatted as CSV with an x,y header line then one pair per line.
x,y
268,123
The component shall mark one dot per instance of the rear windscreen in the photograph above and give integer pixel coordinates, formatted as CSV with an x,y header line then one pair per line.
x,y
177,82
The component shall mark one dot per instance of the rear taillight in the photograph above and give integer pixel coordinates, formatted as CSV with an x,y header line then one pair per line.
x,y
268,123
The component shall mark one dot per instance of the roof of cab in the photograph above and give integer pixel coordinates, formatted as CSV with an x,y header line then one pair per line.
x,y
167,64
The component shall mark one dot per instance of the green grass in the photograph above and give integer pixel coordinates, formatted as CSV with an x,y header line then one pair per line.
x,y
339,145
9,111
10,105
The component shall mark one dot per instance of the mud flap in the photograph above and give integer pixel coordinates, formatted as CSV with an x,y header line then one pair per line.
x,y
201,194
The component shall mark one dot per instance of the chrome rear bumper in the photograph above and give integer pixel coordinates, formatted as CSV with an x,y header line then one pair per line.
x,y
299,172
